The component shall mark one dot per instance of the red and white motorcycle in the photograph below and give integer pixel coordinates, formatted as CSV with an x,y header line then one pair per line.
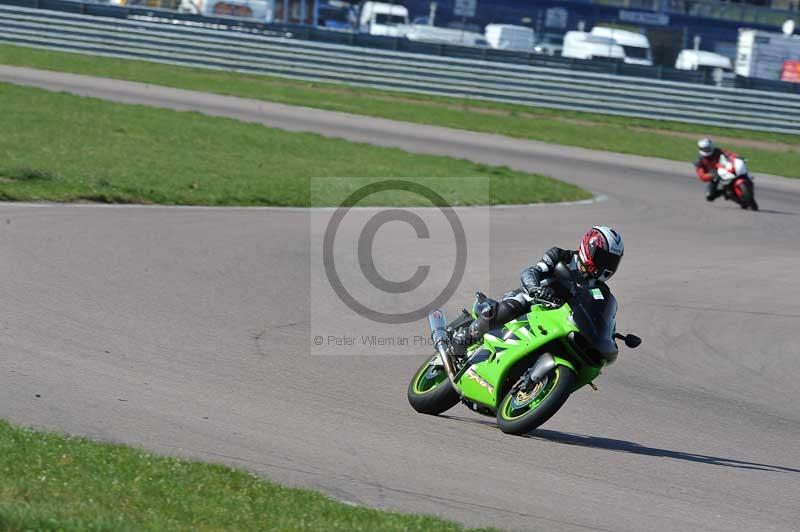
x,y
735,182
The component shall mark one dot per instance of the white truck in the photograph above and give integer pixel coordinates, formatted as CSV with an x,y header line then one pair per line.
x,y
583,45
509,37
635,45
380,18
761,54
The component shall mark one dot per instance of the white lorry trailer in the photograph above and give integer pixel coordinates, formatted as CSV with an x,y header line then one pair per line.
x,y
761,54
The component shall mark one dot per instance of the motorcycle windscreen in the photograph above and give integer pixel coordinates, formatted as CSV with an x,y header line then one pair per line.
x,y
594,311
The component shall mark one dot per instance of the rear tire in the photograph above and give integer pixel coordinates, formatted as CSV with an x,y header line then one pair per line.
x,y
519,413
430,391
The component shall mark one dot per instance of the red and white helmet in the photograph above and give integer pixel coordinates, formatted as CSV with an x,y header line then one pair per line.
x,y
600,252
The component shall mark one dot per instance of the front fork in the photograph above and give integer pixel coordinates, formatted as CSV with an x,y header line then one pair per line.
x,y
441,342
544,365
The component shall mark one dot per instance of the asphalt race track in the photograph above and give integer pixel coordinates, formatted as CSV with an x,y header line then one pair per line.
x,y
188,331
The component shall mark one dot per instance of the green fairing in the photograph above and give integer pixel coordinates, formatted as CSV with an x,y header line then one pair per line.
x,y
425,381
586,374
482,382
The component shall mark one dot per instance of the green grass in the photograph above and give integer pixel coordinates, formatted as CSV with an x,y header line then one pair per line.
x,y
767,152
53,482
62,147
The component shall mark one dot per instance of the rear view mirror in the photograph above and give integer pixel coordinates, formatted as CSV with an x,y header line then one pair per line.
x,y
631,340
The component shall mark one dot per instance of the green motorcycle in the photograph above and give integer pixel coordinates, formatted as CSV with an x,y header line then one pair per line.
x,y
523,372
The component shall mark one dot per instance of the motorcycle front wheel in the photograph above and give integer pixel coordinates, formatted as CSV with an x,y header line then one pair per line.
x,y
522,410
745,196
430,391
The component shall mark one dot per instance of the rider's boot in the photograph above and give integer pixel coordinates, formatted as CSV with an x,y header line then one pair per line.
x,y
472,330
467,336
460,343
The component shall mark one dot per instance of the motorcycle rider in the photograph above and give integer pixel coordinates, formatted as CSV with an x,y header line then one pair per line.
x,y
706,166
595,261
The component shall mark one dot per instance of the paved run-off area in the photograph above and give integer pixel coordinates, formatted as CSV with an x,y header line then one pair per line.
x,y
186,330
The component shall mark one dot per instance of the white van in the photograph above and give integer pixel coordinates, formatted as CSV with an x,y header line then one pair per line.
x,y
702,60
508,37
582,45
379,18
636,46
437,35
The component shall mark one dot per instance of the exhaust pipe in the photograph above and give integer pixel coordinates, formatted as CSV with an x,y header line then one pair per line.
x,y
441,342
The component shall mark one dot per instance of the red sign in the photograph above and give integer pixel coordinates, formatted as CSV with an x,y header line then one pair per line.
x,y
791,71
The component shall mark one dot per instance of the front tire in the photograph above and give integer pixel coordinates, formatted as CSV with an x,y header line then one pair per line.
x,y
430,391
745,196
522,411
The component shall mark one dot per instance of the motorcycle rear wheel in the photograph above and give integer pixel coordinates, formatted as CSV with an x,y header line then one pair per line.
x,y
430,391
520,412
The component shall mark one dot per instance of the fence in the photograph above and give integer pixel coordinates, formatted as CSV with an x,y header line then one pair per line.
x,y
310,33
276,55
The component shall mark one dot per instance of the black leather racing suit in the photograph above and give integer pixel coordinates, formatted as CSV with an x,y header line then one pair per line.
x,y
533,276
514,304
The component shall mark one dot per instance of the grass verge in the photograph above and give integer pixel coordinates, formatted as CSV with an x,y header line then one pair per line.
x,y
62,147
53,482
767,152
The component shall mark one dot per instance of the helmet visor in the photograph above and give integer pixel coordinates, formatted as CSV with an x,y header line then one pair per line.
x,y
605,263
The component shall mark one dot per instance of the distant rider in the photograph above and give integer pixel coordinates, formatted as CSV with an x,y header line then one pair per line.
x,y
706,166
596,260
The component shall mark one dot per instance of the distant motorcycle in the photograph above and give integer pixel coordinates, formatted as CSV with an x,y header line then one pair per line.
x,y
735,182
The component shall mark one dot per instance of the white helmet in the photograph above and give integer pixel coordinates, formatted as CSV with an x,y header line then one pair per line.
x,y
705,147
